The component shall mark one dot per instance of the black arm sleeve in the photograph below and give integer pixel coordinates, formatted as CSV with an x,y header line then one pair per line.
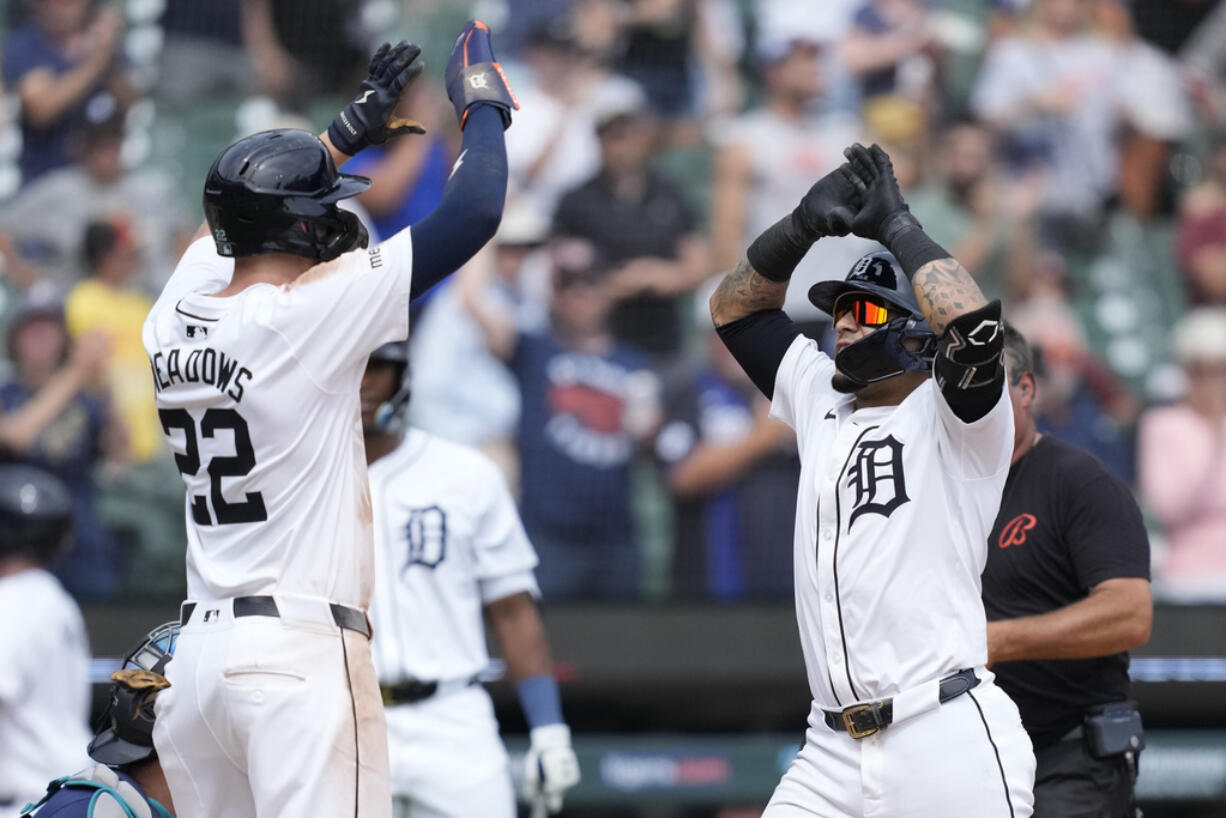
x,y
968,365
758,342
471,206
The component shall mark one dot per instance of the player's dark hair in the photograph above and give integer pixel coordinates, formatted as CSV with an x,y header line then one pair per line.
x,y
100,239
1019,358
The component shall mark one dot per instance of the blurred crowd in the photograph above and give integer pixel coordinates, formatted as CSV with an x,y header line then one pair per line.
x,y
1070,153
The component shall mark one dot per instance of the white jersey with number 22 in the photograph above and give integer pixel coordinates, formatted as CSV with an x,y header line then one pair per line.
x,y
258,397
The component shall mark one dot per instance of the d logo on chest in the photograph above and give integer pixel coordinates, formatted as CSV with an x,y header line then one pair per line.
x,y
426,532
877,476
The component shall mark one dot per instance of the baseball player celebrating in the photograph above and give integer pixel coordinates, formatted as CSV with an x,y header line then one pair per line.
x,y
901,476
44,693
127,780
258,344
449,543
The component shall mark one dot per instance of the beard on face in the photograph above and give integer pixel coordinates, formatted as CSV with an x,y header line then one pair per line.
x,y
843,384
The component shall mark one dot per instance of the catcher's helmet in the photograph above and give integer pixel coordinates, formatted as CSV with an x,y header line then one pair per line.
x,y
276,192
125,733
35,513
397,353
881,354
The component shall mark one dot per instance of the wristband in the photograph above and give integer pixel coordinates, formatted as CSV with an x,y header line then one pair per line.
x,y
912,246
540,701
775,253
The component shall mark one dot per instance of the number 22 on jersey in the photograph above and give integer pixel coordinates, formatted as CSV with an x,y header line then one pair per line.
x,y
224,512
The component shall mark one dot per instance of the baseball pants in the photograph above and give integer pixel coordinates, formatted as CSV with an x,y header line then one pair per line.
x,y
1069,782
272,716
447,759
967,758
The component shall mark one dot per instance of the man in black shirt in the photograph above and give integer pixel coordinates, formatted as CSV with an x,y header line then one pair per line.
x,y
642,225
1066,592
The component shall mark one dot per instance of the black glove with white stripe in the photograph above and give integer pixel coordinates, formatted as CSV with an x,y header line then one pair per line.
x,y
368,119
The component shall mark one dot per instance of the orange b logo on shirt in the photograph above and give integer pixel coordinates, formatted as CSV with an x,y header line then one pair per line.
x,y
1014,532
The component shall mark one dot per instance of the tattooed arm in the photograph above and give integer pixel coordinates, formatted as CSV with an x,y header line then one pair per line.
x,y
943,287
967,365
945,290
746,308
744,291
760,281
747,305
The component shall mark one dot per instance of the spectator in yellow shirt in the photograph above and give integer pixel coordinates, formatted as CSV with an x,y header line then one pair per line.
x,y
105,301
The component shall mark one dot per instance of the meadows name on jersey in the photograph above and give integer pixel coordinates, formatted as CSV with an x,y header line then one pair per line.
x,y
203,365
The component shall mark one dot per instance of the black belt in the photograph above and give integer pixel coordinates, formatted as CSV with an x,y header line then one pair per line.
x,y
343,616
862,720
414,690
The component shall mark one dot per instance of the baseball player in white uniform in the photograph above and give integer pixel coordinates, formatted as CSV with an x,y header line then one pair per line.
x,y
44,652
449,545
901,476
258,344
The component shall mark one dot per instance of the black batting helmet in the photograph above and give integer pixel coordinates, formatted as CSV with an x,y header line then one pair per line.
x,y
276,192
35,513
125,733
882,354
396,353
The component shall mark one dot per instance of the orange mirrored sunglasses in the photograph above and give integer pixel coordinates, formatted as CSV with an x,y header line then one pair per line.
x,y
867,310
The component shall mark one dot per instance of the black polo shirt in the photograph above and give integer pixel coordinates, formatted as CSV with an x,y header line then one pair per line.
x,y
1065,525
623,229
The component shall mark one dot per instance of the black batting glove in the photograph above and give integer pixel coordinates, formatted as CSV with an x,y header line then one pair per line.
x,y
828,209
474,75
884,216
830,206
368,120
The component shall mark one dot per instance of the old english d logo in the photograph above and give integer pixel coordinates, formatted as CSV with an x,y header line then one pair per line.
x,y
878,479
873,270
426,532
1014,532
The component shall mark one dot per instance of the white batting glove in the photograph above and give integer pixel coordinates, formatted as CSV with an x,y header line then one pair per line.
x,y
550,768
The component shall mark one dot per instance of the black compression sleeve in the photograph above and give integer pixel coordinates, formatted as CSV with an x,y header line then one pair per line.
x,y
914,248
776,252
968,365
758,342
471,207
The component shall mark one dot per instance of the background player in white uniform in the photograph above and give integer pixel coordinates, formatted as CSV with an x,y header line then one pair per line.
x,y
901,476
449,544
258,345
44,653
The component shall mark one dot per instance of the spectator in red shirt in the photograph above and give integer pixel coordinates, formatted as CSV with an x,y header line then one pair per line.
x,y
1201,242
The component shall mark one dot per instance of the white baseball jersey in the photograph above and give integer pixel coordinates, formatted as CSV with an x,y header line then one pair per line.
x,y
448,540
44,687
893,512
258,396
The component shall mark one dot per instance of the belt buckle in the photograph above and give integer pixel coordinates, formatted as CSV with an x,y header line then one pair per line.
x,y
849,725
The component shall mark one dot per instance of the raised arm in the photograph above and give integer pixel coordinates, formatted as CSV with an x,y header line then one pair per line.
x,y
968,365
471,206
46,95
747,306
760,281
468,214
944,288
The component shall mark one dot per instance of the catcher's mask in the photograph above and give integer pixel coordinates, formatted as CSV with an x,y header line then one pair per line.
x,y
881,354
277,192
125,734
